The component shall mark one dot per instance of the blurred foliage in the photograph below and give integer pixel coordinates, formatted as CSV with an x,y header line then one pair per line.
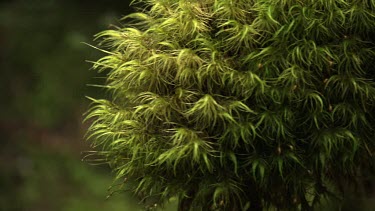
x,y
51,181
42,88
44,75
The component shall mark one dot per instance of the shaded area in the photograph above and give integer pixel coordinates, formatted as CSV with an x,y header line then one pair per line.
x,y
42,89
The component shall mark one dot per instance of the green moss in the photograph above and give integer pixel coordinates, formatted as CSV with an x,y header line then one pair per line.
x,y
234,105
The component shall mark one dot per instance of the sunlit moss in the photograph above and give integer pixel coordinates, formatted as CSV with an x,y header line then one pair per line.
x,y
236,105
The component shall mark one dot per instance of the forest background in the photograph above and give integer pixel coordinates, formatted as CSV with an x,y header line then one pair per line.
x,y
43,84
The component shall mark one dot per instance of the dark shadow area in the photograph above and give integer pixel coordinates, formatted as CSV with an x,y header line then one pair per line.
x,y
42,90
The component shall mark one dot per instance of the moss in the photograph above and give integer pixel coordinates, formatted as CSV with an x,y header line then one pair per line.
x,y
234,105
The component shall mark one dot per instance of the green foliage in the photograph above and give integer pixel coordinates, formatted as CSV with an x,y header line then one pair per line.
x,y
235,104
43,76
48,180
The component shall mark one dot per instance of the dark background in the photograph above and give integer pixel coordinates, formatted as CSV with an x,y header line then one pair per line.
x,y
43,84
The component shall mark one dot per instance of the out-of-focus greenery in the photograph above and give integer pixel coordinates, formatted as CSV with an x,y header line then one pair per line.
x,y
42,88
43,55
55,181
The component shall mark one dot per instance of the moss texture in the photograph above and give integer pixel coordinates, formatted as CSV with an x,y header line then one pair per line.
x,y
239,104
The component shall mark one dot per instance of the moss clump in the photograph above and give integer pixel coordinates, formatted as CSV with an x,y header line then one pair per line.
x,y
239,104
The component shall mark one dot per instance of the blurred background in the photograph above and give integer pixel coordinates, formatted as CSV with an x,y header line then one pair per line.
x,y
43,84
